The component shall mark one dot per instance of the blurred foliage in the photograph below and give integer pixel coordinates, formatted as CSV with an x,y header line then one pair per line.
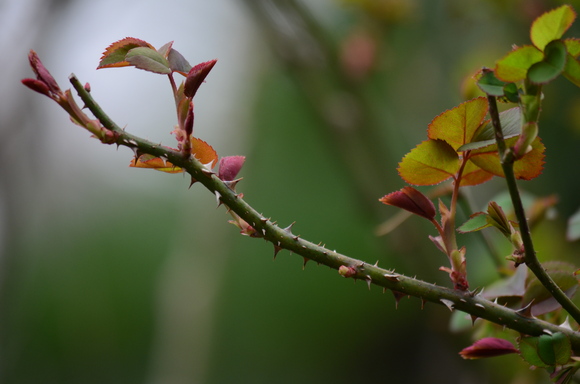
x,y
88,301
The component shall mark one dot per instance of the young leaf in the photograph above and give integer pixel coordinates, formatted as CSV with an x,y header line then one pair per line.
x,y
114,55
551,25
457,125
553,64
430,162
529,351
527,168
476,222
196,76
410,199
148,59
473,175
149,161
490,84
514,66
485,135
203,152
572,70
178,63
488,347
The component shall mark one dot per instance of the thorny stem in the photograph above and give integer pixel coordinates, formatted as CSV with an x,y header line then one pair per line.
x,y
468,302
531,260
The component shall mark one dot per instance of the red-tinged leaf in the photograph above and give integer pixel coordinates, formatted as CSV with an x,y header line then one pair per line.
x,y
114,55
178,63
196,76
473,175
514,66
230,167
488,347
165,49
526,168
37,86
152,162
148,59
458,125
411,200
551,25
42,74
430,162
203,152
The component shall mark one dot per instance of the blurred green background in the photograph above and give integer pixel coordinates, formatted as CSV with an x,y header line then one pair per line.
x,y
116,275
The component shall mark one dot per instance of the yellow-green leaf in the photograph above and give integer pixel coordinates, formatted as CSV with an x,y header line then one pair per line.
x,y
430,162
551,25
514,66
457,125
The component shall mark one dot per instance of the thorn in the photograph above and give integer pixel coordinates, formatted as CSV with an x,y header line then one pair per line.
x,y
423,301
376,263
263,220
398,296
566,324
479,305
289,228
306,260
392,276
473,318
447,303
193,181
369,281
232,184
547,332
164,159
277,248
218,197
526,311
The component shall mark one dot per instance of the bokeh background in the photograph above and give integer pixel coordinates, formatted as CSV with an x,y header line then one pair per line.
x,y
116,275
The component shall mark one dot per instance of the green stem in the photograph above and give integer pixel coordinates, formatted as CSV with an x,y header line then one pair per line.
x,y
281,238
530,257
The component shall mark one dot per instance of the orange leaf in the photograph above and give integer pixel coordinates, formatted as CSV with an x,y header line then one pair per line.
x,y
149,161
203,152
430,162
114,55
458,125
526,168
473,175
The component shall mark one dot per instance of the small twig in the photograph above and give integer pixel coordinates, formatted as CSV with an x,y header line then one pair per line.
x,y
531,260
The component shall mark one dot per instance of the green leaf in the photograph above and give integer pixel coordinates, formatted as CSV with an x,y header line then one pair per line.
x,y
572,46
514,66
553,64
148,59
551,25
528,347
430,162
476,222
572,70
457,125
485,135
573,231
490,84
